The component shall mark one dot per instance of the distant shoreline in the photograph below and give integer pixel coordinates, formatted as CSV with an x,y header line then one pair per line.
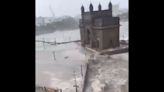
x,y
37,33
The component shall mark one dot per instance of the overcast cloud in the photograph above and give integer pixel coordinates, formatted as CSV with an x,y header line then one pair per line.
x,y
71,7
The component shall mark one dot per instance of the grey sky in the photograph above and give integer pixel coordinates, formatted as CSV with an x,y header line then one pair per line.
x,y
71,7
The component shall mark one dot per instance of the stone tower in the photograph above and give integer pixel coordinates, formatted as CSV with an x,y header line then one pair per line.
x,y
99,29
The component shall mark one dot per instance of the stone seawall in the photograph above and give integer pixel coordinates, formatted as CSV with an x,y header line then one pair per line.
x,y
118,51
85,77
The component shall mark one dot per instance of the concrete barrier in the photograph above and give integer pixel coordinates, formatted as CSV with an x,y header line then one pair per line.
x,y
45,89
123,50
85,77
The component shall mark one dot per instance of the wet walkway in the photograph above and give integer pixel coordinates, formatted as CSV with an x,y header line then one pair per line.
x,y
55,65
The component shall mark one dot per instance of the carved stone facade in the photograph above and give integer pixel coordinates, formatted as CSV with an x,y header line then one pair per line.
x,y
99,29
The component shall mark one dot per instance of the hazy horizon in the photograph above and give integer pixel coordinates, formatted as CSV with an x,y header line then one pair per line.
x,y
45,8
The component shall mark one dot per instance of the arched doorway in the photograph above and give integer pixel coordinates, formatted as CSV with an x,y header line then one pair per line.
x,y
111,43
97,43
88,36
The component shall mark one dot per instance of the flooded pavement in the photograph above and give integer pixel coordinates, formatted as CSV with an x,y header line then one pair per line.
x,y
108,74
55,65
